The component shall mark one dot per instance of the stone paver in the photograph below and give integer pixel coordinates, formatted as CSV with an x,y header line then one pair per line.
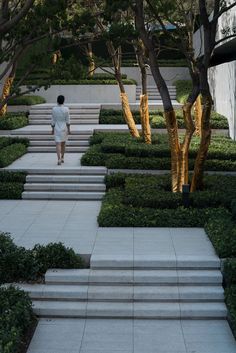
x,y
132,336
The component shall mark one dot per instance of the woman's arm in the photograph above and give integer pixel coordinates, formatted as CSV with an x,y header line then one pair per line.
x,y
68,120
53,121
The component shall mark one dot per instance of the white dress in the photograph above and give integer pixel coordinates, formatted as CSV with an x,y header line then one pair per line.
x,y
60,120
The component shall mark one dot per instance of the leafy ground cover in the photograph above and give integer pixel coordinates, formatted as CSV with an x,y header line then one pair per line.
x,y
120,151
13,121
12,148
26,100
157,119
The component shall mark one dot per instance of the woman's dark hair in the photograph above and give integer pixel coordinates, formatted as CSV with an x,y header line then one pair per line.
x,y
60,99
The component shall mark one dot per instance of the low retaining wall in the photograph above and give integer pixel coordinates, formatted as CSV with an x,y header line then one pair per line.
x,y
87,93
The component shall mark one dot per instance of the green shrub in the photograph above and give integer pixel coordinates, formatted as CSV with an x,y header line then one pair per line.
x,y
222,233
230,271
10,153
11,190
16,317
9,176
230,296
12,121
79,82
26,100
19,264
183,88
56,255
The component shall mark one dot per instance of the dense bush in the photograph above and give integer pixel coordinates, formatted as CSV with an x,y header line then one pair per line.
x,y
20,264
26,100
157,119
230,297
121,151
13,121
11,190
81,82
16,317
183,88
222,233
10,153
230,271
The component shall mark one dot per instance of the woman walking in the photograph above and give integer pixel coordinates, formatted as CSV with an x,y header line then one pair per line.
x,y
60,127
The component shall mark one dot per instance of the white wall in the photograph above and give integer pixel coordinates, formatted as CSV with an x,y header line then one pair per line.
x,y
223,88
86,93
170,74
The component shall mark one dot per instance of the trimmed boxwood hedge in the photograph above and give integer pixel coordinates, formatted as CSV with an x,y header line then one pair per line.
x,y
13,121
16,318
80,82
26,100
20,264
121,151
144,200
11,184
157,119
11,149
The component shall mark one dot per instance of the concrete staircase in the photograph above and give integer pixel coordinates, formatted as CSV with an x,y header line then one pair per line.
x,y
83,183
79,114
153,93
113,288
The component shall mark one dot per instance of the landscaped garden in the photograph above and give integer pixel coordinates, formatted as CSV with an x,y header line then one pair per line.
x,y
12,148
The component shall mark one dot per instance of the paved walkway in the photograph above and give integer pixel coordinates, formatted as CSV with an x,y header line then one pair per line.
x,y
74,223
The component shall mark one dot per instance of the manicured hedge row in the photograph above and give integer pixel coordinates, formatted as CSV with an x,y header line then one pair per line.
x,y
11,184
157,119
80,82
115,214
26,100
120,151
16,318
13,121
11,149
19,264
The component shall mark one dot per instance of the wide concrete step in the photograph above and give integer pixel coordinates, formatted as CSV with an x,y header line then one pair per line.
x,y
67,171
137,277
72,122
52,143
154,262
62,195
47,137
97,179
125,293
50,149
73,111
72,116
137,310
63,187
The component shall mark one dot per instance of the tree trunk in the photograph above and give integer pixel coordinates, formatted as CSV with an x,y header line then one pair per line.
x,y
91,67
6,90
197,180
144,108
198,115
116,60
56,56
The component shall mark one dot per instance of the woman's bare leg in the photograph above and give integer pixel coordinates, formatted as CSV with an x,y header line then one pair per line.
x,y
58,147
63,147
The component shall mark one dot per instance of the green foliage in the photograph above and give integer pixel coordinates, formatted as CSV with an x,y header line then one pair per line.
x,y
13,121
56,255
157,119
26,100
16,317
230,297
10,153
222,233
183,88
19,264
230,271
81,82
121,151
11,184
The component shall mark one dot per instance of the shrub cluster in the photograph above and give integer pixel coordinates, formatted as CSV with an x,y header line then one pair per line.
x,y
26,100
183,88
157,119
16,317
13,121
19,264
120,151
11,149
11,184
86,81
230,291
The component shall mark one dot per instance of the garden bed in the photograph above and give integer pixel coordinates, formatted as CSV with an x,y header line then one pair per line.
x,y
157,119
12,148
121,151
11,184
12,121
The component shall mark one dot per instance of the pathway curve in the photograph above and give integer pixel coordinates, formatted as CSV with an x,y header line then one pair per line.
x,y
138,278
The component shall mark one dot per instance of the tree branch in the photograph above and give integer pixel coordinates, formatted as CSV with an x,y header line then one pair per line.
x,y
225,38
221,12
